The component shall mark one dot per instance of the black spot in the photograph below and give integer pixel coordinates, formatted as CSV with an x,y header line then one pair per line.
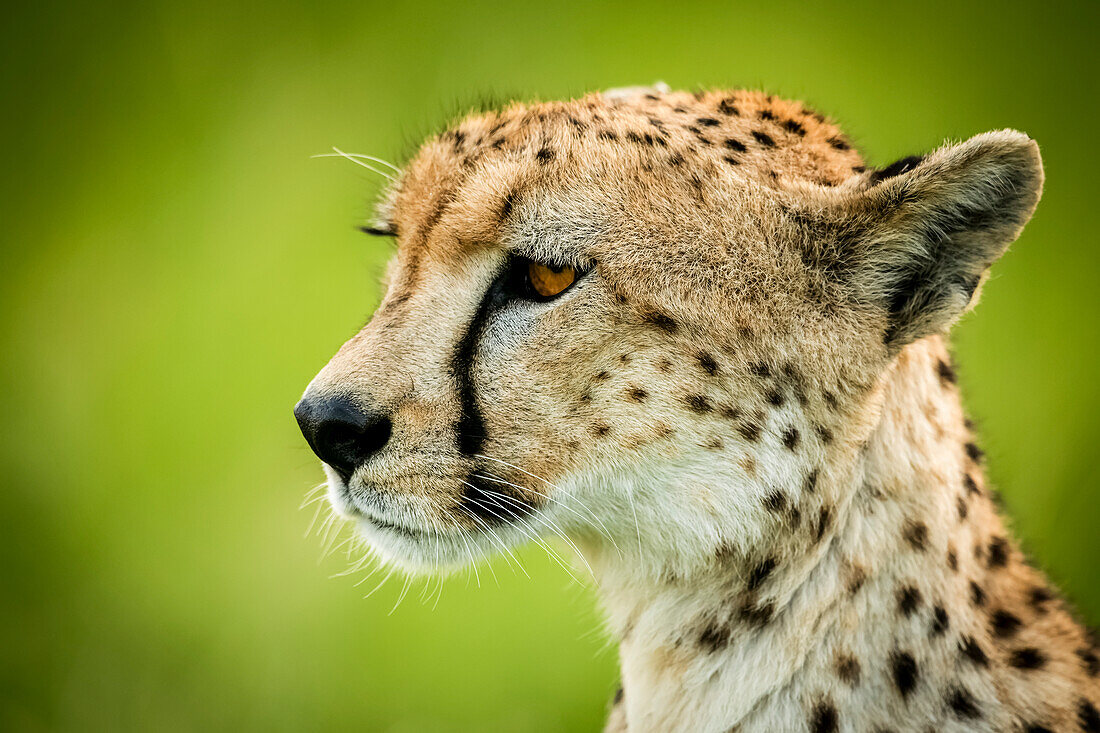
x,y
810,485
1087,716
838,143
856,580
971,487
661,320
1089,661
726,107
998,552
1039,597
824,517
774,397
977,595
600,430
894,169
974,452
848,669
794,127
960,504
1004,624
699,404
763,138
830,399
735,145
758,615
903,667
1035,728
824,434
731,160
940,620
909,600
602,376
618,697
970,649
634,137
962,703
790,438
707,363
607,135
760,369
750,431
823,718
947,374
637,394
714,636
708,122
916,534
766,114
1027,658
760,573
775,501
952,560
794,516
507,205
544,155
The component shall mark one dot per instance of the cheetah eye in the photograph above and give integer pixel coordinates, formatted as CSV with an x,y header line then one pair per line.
x,y
538,281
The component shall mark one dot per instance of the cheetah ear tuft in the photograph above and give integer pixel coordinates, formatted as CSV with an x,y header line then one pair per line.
x,y
925,231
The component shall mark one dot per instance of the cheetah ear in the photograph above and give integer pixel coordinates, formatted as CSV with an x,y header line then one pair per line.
x,y
920,238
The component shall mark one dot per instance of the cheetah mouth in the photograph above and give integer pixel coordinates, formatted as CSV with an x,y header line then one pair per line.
x,y
375,522
486,504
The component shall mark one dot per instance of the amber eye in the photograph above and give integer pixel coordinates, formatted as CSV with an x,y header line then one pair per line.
x,y
547,281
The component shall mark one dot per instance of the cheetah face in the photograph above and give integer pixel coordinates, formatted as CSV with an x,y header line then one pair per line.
x,y
638,321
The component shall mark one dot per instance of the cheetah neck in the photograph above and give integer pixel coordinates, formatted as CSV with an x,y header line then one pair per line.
x,y
892,606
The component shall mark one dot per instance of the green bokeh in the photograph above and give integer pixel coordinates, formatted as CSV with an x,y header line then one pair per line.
x,y
176,267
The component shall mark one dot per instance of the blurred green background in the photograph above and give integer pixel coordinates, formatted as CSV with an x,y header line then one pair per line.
x,y
176,268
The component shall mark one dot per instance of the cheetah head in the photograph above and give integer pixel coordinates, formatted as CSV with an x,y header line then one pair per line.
x,y
631,318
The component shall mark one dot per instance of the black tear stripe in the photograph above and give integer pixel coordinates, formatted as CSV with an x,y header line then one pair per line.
x,y
489,501
470,428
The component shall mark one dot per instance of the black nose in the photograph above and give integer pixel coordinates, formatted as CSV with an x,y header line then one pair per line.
x,y
341,433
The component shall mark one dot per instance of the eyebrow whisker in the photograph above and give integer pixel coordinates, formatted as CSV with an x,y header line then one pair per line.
x,y
355,159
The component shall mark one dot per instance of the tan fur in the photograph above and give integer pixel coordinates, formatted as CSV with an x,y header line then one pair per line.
x,y
745,414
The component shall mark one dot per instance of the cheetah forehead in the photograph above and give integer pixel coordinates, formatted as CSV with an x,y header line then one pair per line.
x,y
677,143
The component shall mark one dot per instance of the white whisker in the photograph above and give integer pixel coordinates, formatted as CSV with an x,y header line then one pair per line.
x,y
549,524
496,537
341,154
497,479
528,530
401,596
373,590
555,487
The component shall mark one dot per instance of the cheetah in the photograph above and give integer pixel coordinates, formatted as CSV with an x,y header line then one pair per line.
x,y
698,337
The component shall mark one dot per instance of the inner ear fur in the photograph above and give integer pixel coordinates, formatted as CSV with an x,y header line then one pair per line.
x,y
921,234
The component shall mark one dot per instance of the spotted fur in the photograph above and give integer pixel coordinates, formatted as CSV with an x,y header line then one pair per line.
x,y
744,414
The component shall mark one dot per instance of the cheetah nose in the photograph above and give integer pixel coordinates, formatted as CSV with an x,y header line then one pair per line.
x,y
341,433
